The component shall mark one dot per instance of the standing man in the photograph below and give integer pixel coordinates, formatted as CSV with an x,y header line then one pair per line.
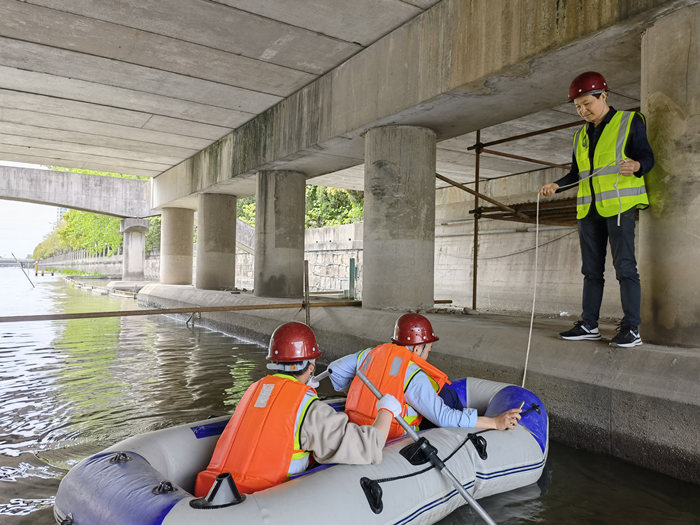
x,y
279,422
400,368
611,155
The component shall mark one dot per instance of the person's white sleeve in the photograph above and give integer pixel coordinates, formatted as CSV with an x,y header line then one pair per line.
x,y
343,372
421,395
333,439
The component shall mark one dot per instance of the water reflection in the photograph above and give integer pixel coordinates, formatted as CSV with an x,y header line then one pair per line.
x,y
70,388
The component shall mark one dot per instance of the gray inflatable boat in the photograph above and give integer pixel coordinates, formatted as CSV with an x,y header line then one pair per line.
x,y
149,478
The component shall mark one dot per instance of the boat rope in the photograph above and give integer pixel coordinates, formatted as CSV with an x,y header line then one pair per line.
x,y
373,491
537,242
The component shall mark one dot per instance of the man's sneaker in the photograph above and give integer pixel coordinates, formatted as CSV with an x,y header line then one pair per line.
x,y
581,332
626,337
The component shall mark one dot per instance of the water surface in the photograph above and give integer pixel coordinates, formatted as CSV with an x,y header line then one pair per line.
x,y
71,388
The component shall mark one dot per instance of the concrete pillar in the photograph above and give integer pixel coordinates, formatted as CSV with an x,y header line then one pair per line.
x,y
134,259
176,230
279,234
668,230
216,242
399,220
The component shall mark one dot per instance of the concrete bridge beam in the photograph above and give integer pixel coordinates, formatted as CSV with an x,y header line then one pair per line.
x,y
668,230
216,242
176,232
134,259
78,191
399,225
279,232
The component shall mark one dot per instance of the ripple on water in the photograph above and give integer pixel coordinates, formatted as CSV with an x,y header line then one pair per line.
x,y
24,507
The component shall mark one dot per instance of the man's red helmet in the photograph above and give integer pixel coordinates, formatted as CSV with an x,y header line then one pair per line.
x,y
413,329
292,342
588,83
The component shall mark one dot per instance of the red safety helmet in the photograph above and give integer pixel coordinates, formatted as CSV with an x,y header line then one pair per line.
x,y
588,83
413,329
291,343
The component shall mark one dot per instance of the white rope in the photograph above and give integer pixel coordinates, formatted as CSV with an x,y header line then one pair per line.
x,y
537,243
534,286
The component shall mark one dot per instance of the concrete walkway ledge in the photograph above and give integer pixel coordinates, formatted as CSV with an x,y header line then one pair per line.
x,y
639,404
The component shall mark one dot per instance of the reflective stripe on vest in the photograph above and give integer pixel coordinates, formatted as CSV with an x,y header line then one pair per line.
x,y
614,193
260,445
300,457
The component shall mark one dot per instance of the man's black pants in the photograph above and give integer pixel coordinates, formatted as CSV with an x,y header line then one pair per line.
x,y
594,232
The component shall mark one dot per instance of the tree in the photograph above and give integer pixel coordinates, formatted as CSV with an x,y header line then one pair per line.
x,y
332,206
51,245
92,232
89,231
153,234
245,210
324,207
100,173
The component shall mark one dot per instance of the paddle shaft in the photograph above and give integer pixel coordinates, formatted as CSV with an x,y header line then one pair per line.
x,y
323,375
436,461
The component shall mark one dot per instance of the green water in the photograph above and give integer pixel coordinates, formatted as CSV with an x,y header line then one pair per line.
x,y
70,388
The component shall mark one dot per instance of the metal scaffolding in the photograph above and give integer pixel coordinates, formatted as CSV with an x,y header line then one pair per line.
x,y
557,213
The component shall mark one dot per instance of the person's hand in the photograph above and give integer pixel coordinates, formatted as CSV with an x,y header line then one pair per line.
x,y
508,419
390,403
549,189
629,167
313,382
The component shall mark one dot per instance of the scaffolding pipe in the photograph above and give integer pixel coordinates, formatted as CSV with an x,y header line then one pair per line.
x,y
476,217
529,134
525,159
484,197
306,293
170,311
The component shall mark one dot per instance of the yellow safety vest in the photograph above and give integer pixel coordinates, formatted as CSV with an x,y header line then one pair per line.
x,y
614,193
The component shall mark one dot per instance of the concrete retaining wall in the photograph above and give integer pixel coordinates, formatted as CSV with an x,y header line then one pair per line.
x,y
638,404
506,270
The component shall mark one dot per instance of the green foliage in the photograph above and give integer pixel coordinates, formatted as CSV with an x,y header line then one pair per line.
x,y
245,210
324,207
90,231
79,273
153,234
100,173
332,206
51,245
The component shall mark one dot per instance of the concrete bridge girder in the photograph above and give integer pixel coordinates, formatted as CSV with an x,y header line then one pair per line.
x,y
456,68
78,191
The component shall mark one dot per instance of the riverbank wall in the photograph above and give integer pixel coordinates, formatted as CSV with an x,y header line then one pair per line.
x,y
639,404
506,255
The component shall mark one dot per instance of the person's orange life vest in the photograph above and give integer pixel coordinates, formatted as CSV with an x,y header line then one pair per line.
x,y
386,366
261,441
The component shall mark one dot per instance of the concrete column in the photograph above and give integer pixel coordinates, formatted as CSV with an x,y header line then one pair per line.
x,y
176,230
399,221
668,230
134,258
279,234
216,242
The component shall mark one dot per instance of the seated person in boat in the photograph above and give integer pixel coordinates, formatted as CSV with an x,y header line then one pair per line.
x,y
401,368
279,423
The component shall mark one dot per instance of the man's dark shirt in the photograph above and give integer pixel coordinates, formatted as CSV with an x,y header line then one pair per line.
x,y
637,147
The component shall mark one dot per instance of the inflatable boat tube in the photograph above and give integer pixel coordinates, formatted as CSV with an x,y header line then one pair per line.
x,y
149,478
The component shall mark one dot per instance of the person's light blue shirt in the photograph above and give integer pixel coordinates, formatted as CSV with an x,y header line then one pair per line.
x,y
420,394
